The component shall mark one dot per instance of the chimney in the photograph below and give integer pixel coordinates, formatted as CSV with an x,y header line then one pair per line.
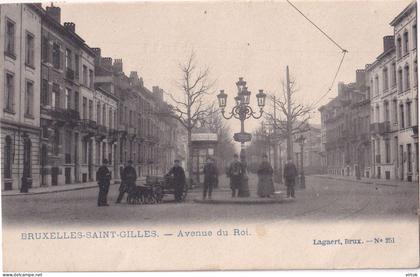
x,y
157,91
388,43
360,78
106,63
118,65
54,13
97,52
70,26
340,89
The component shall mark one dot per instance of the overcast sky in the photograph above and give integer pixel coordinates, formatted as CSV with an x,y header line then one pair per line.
x,y
253,40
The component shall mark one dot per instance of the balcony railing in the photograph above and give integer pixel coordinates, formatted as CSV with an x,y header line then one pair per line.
x,y
380,128
88,124
66,115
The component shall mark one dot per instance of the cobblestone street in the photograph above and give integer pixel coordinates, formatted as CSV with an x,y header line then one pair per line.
x,y
323,199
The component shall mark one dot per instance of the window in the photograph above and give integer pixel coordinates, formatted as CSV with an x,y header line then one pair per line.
x,y
90,109
395,111
393,75
409,158
76,101
399,47
98,113
385,78
45,49
416,77
55,96
376,85
414,36
44,92
30,49
68,146
387,152
110,118
68,59
56,56
67,99
408,106
386,110
377,115
402,125
8,158
90,78
103,115
9,100
84,108
84,151
10,38
406,77
400,80
29,99
56,142
405,42
76,67
85,76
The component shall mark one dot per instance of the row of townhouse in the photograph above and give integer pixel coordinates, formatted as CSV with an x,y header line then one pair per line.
x,y
388,145
66,108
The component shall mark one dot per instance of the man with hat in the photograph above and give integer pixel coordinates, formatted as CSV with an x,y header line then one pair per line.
x,y
178,174
103,177
128,180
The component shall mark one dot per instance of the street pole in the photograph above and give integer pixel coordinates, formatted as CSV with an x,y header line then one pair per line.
x,y
276,167
302,174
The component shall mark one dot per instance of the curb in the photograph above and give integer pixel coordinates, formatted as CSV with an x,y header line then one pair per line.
x,y
240,202
358,181
52,191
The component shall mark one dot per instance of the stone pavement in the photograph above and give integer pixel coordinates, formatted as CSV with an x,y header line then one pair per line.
x,y
364,180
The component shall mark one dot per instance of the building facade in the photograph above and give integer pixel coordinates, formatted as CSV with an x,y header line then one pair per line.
x,y
392,82
346,120
405,35
20,66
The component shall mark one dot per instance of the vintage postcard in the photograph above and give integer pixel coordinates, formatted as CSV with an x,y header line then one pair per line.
x,y
209,135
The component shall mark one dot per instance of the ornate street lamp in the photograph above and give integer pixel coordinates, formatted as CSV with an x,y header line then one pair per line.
x,y
242,111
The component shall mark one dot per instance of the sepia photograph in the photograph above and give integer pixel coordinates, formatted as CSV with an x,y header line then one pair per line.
x,y
209,135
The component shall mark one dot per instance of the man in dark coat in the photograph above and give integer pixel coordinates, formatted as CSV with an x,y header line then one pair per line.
x,y
129,177
235,173
289,174
123,186
103,177
210,177
178,174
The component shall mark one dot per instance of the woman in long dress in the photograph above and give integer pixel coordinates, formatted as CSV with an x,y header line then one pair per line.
x,y
265,178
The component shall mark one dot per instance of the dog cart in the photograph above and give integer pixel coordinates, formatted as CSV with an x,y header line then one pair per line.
x,y
164,186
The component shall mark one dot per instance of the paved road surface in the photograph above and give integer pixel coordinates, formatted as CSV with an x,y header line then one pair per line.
x,y
323,199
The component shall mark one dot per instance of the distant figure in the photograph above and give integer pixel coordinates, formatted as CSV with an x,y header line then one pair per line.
x,y
235,173
289,174
210,177
129,177
123,186
265,178
177,172
103,177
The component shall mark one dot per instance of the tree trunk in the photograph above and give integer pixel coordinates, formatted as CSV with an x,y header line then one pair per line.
x,y
189,159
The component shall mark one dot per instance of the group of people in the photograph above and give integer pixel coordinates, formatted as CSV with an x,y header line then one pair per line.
x,y
265,178
236,172
128,181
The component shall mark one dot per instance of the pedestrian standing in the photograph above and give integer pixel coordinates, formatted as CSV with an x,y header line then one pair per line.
x,y
210,177
265,178
103,177
235,173
123,186
129,179
178,174
289,174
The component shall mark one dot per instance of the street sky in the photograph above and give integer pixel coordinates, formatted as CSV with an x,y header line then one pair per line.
x,y
254,40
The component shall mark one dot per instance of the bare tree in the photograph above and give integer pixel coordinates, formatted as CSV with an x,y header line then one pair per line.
x,y
190,107
293,116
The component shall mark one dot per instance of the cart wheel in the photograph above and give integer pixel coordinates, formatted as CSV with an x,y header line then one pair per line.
x,y
158,193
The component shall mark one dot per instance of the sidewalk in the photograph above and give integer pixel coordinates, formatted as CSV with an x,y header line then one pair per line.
x,y
371,181
62,188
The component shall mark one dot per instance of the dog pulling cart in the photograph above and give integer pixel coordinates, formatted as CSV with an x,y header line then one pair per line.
x,y
154,190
